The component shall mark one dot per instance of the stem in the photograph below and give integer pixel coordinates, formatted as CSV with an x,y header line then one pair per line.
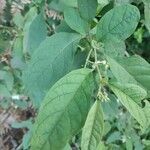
x,y
98,70
88,57
127,54
19,147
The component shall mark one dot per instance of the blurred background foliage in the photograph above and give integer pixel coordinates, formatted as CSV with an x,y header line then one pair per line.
x,y
24,24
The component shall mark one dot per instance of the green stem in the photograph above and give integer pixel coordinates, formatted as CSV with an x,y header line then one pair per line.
x,y
97,67
88,57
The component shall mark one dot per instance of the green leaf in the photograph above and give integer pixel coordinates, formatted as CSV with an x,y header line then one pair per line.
x,y
93,128
101,146
70,3
63,111
134,91
67,147
63,27
120,22
34,33
129,144
103,2
30,16
18,19
27,136
18,47
115,136
120,73
7,78
17,61
138,34
26,140
24,124
139,69
147,13
111,109
114,47
41,2
146,110
73,19
87,9
122,2
128,100
61,5
4,92
55,57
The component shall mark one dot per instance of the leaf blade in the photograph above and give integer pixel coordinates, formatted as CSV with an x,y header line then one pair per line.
x,y
120,73
50,62
93,128
34,33
137,67
63,111
73,19
120,22
147,13
129,102
87,9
